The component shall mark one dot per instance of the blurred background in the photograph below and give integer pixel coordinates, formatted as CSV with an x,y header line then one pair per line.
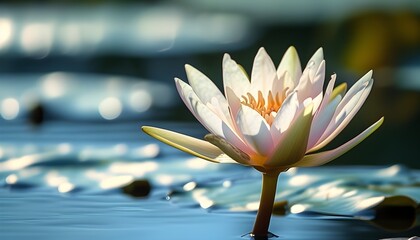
x,y
112,63
79,78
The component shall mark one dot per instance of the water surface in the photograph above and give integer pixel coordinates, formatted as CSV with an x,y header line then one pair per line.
x,y
69,181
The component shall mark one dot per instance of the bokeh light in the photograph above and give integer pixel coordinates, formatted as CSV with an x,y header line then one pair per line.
x,y
110,108
9,108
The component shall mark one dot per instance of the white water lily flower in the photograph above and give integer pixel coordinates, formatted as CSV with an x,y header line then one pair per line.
x,y
273,121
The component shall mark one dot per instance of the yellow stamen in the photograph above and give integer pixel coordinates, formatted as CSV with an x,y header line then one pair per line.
x,y
267,108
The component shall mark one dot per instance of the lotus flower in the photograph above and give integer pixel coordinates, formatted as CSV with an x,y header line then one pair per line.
x,y
277,119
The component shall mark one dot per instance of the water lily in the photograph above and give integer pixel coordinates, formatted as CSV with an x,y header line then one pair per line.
x,y
279,118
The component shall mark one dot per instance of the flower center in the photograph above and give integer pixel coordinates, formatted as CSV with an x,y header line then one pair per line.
x,y
266,107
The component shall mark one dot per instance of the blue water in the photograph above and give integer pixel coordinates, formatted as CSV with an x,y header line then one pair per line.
x,y
65,181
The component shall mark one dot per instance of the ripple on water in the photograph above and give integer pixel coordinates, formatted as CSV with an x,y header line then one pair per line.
x,y
71,190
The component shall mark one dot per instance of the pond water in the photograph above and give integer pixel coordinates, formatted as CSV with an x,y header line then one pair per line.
x,y
110,181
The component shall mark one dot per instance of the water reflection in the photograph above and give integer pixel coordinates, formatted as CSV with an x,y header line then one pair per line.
x,y
73,96
138,30
112,182
141,100
9,108
189,186
135,169
36,39
12,179
66,187
55,84
6,26
110,108
91,179
298,208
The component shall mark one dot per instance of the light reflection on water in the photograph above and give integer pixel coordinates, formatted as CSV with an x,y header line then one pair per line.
x,y
73,189
81,96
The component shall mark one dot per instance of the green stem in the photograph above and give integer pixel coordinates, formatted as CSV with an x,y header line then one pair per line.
x,y
268,193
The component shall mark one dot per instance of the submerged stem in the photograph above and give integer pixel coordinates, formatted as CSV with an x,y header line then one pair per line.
x,y
268,193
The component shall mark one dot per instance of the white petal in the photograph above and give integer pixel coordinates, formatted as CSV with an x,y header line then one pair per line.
x,y
285,116
292,145
289,63
315,61
237,139
311,83
326,98
193,146
346,110
204,115
360,84
211,121
206,90
233,101
234,78
321,121
220,110
235,136
255,130
231,150
321,158
263,73
185,91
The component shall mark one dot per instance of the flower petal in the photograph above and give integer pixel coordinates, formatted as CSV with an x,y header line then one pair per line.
x,y
234,77
263,73
315,61
290,63
185,91
211,121
321,121
206,90
327,96
285,116
321,158
204,115
202,85
360,84
292,145
234,102
312,80
193,146
347,109
235,136
255,130
232,151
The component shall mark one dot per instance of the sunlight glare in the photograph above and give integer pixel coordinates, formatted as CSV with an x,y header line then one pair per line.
x,y
189,186
36,39
204,201
6,30
137,169
18,163
12,179
196,163
149,150
110,108
141,100
116,181
369,202
9,108
297,208
65,187
299,180
55,84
